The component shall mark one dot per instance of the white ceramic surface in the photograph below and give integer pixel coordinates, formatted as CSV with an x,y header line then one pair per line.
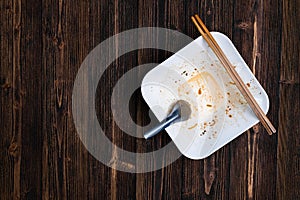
x,y
219,111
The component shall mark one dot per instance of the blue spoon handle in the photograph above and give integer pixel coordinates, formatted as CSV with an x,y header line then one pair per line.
x,y
164,124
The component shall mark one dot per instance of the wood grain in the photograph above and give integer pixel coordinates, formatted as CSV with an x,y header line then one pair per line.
x,y
42,45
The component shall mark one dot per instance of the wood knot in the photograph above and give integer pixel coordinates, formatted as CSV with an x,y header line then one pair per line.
x,y
59,85
14,149
17,29
55,40
9,9
209,173
255,128
61,45
28,37
68,159
18,26
208,180
4,84
244,25
17,105
58,41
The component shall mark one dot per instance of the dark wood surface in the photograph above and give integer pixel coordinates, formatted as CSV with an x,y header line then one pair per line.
x,y
42,45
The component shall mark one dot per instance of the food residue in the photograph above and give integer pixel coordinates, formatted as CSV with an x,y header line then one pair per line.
x,y
230,116
208,105
193,126
248,84
242,102
199,91
184,73
213,122
203,132
215,134
227,109
232,83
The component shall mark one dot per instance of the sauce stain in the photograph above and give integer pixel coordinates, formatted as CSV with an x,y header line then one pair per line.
x,y
193,126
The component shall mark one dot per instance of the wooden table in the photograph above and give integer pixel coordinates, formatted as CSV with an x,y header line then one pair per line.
x,y
43,44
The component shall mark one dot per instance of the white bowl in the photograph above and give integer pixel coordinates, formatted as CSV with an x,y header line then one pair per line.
x,y
219,111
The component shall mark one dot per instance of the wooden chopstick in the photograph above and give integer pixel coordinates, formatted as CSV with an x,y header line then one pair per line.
x,y
234,75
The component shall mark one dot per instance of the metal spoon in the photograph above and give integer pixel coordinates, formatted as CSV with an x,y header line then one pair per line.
x,y
181,111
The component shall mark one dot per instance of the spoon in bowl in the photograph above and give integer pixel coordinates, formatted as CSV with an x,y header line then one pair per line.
x,y
181,111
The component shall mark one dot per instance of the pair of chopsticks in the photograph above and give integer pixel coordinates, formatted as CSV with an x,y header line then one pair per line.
x,y
233,75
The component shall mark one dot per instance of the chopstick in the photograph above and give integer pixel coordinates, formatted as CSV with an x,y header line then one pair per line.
x,y
233,75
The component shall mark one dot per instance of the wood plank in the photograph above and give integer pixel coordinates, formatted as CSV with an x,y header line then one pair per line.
x,y
288,151
268,76
65,39
30,65
249,154
101,27
53,142
16,141
123,17
6,103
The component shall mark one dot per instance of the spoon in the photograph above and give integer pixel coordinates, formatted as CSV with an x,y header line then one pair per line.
x,y
181,111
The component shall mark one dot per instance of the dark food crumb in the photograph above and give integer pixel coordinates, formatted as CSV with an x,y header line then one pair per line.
x,y
203,132
199,91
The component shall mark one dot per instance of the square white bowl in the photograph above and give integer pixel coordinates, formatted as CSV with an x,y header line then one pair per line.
x,y
219,111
